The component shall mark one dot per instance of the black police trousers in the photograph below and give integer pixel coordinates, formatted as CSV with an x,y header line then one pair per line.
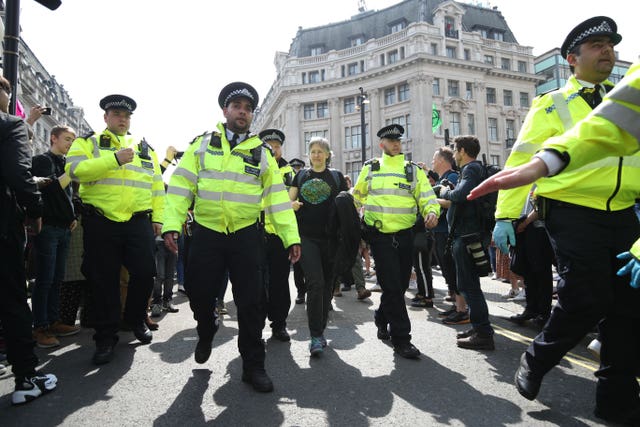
x,y
278,269
211,254
586,242
15,314
108,246
393,254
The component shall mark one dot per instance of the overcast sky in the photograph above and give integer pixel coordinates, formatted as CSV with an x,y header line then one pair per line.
x,y
173,57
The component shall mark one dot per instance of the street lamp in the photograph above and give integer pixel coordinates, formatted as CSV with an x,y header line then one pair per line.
x,y
362,101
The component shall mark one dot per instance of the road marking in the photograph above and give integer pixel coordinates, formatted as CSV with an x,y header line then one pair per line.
x,y
575,359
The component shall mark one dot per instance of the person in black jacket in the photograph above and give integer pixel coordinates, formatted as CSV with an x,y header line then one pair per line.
x,y
19,195
52,243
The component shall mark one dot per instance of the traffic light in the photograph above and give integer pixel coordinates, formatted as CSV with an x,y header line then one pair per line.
x,y
50,4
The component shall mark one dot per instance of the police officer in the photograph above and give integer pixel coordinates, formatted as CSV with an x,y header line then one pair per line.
x,y
277,257
392,191
230,177
589,216
123,195
611,130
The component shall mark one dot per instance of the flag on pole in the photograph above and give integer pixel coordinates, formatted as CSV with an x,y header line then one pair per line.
x,y
436,121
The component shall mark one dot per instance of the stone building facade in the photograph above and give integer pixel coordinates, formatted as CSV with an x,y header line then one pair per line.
x,y
408,58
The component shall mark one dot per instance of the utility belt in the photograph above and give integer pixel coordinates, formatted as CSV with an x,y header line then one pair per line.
x,y
543,205
370,232
93,211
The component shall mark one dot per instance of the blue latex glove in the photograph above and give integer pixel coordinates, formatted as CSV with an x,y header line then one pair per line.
x,y
632,268
504,235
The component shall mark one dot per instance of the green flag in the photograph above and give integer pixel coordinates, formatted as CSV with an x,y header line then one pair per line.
x,y
436,121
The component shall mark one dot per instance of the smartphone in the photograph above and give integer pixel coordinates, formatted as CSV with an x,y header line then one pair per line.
x,y
47,111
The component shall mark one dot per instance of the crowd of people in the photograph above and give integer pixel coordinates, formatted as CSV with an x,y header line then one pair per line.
x,y
110,235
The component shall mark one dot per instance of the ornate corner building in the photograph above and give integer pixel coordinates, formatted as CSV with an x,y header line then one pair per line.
x,y
409,59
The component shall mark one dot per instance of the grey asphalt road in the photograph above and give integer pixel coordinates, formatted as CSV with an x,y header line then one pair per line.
x,y
356,382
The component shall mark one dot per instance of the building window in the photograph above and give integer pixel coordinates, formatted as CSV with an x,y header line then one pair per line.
x,y
493,129
491,95
352,68
434,48
362,66
314,77
467,54
494,159
455,124
322,109
398,26
390,96
522,66
508,97
488,59
505,63
403,92
353,170
453,88
524,99
349,105
497,35
352,138
304,79
382,59
436,86
471,124
357,41
511,131
469,90
309,135
392,57
309,110
317,50
449,28
451,52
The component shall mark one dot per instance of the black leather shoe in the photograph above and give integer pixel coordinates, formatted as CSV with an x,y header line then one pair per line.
x,y
259,380
476,342
383,333
142,333
203,351
280,335
527,383
407,350
465,334
520,319
103,354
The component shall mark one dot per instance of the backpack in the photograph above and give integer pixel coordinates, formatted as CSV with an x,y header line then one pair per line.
x,y
486,205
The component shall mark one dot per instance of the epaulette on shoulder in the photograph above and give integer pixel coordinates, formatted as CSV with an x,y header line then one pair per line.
x,y
371,161
267,147
89,135
200,136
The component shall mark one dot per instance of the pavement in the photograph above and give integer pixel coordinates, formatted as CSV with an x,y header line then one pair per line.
x,y
358,381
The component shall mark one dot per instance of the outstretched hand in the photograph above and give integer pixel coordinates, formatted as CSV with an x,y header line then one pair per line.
x,y
632,268
511,178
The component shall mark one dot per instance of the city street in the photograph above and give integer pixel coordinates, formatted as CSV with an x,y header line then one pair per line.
x,y
356,382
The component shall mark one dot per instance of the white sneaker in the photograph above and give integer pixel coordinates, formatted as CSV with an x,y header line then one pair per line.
x,y
594,347
376,288
494,276
521,296
511,294
32,387
413,284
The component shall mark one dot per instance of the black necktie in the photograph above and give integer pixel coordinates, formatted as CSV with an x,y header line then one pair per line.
x,y
597,97
234,140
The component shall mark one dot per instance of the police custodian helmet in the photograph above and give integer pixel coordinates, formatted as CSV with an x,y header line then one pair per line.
x,y
393,131
271,135
119,102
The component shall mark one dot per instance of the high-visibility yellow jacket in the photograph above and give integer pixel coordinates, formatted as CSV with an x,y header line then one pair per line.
x,y
612,129
390,200
117,191
608,184
229,188
286,171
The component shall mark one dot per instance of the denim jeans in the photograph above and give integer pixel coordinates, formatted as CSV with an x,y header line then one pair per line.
x,y
165,269
52,248
468,283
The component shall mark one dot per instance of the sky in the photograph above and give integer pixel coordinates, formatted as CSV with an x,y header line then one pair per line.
x,y
173,57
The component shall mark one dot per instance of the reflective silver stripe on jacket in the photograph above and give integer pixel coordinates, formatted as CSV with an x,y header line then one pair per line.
x,y
389,210
562,107
231,197
125,182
